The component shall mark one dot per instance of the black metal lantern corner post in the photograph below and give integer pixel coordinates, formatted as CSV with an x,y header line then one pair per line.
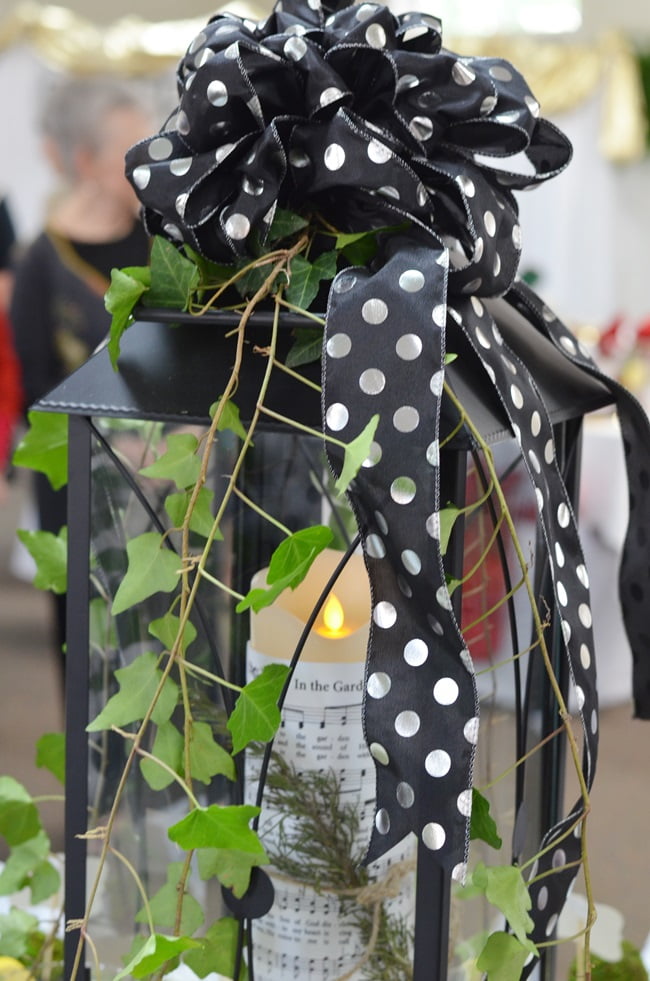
x,y
167,376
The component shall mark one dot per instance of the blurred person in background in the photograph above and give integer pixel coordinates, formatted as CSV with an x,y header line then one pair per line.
x,y
57,307
10,391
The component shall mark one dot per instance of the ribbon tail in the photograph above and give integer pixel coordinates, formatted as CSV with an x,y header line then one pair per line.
x,y
384,354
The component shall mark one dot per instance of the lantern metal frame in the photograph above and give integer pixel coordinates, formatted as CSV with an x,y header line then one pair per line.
x,y
172,374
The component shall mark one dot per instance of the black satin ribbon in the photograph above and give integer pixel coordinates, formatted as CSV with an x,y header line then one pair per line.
x,y
364,116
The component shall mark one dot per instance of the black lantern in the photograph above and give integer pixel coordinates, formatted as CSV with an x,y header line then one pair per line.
x,y
167,380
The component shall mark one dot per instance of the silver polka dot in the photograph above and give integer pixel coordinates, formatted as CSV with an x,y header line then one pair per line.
x,y
378,752
411,280
382,524
549,451
568,344
376,36
437,383
559,554
406,419
594,721
539,497
142,176
496,334
496,267
584,614
408,347
490,223
534,462
404,586
533,105
180,204
182,123
252,186
467,662
563,515
405,794
197,43
334,156
580,698
462,74
585,657
407,82
344,282
217,93
330,95
237,226
379,684
488,104
403,490
542,898
482,339
416,652
374,455
173,231
295,48
378,152
466,185
432,525
384,615
443,598
407,724
375,547
583,575
337,416
338,346
433,836
459,873
561,594
516,237
382,821
470,731
372,381
516,397
374,311
203,58
437,763
439,315
510,365
445,691
433,453
411,561
421,128
435,625
181,166
501,73
160,148
232,51
464,803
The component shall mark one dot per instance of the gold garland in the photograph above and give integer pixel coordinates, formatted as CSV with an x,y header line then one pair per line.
x,y
561,74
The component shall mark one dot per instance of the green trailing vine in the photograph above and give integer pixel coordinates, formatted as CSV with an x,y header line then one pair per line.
x,y
158,708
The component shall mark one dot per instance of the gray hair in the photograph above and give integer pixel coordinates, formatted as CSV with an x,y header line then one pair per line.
x,y
75,108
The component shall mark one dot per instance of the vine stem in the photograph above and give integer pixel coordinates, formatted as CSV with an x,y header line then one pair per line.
x,y
557,691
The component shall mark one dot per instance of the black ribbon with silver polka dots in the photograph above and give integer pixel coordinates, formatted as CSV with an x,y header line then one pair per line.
x,y
363,116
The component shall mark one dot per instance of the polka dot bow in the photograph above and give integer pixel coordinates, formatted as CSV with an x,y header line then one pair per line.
x,y
363,115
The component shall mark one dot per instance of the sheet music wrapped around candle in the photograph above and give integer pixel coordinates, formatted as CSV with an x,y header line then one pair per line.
x,y
308,934
365,117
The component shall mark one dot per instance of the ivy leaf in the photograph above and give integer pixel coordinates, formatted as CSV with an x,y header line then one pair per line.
x,y
448,516
44,447
482,825
127,286
167,747
307,347
231,867
19,818
290,563
505,888
306,277
210,273
16,928
152,569
173,276
22,863
163,905
250,281
218,951
256,715
201,518
358,247
230,418
165,629
154,954
138,683
179,463
207,757
218,826
356,453
503,957
284,224
50,754
50,553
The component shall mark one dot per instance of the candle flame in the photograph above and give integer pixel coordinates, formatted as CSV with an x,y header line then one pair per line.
x,y
333,616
